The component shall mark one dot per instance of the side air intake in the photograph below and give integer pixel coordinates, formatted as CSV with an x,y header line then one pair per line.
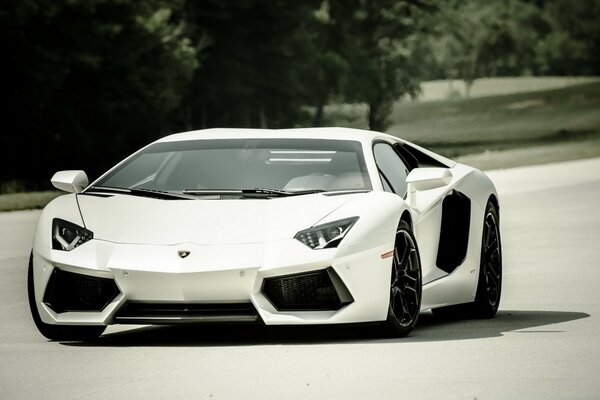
x,y
454,233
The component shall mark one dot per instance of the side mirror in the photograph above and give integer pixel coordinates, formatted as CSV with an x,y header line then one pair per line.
x,y
70,181
428,178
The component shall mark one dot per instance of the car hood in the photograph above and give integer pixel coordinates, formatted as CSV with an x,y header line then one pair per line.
x,y
140,220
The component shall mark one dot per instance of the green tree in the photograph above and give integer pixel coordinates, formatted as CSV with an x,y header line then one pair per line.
x,y
376,34
475,38
569,42
478,38
325,70
87,81
253,72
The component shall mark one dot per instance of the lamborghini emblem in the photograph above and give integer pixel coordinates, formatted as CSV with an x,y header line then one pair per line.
x,y
183,253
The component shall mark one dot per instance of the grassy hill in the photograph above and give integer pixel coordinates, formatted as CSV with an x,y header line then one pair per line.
x,y
562,123
500,122
26,201
444,89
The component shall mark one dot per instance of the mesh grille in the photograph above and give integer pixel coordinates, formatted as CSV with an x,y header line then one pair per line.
x,y
306,291
67,291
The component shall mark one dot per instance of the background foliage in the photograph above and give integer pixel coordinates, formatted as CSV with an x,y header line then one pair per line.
x,y
86,82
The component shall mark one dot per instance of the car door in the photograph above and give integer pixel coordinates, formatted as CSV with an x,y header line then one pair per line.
x,y
393,170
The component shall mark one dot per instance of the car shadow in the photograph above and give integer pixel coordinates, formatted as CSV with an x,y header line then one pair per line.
x,y
429,329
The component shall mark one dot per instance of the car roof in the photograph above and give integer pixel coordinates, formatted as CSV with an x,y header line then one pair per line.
x,y
366,137
296,133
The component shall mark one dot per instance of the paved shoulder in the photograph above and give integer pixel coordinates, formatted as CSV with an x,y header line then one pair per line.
x,y
547,176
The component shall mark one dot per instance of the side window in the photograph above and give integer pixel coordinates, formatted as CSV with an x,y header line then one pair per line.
x,y
392,170
418,158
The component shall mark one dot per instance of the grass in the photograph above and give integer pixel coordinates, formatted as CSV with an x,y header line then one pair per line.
x,y
444,89
540,154
460,127
26,201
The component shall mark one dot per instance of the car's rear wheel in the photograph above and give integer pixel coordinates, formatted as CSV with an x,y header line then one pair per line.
x,y
489,284
57,332
406,287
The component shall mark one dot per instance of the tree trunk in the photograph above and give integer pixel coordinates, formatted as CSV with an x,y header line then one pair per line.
x,y
378,115
468,86
263,118
203,116
318,118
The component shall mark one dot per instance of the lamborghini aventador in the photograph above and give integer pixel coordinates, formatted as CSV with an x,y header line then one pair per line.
x,y
278,227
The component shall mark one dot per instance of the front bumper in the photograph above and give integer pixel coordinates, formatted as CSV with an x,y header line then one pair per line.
x,y
219,275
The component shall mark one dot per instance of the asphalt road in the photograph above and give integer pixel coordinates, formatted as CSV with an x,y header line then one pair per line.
x,y
544,343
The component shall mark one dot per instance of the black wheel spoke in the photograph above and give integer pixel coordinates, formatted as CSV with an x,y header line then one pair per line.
x,y
492,279
493,270
487,232
404,306
397,257
396,300
395,279
491,249
409,289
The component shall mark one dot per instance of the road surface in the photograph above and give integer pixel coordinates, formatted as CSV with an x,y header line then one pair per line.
x,y
544,343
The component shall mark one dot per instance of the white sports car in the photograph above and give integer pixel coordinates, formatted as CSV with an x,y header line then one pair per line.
x,y
281,227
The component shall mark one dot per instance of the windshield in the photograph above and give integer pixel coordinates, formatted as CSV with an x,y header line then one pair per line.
x,y
280,164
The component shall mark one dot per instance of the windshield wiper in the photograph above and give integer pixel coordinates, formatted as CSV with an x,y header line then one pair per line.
x,y
107,189
159,194
156,194
259,192
211,192
281,192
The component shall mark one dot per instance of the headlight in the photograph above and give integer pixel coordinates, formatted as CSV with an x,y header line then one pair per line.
x,y
66,235
326,235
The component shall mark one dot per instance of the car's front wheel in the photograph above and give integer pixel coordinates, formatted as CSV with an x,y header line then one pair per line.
x,y
406,285
57,332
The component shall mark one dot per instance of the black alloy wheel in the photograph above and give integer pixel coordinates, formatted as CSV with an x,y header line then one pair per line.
x,y
406,285
489,286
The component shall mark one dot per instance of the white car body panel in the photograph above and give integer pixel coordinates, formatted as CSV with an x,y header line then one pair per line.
x,y
223,222
234,245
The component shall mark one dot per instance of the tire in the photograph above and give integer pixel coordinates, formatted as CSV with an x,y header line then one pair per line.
x,y
406,284
489,283
57,332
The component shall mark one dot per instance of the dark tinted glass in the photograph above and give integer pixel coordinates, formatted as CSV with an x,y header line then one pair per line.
x,y
289,164
392,168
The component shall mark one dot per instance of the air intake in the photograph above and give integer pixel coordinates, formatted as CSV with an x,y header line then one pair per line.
x,y
177,313
307,291
67,291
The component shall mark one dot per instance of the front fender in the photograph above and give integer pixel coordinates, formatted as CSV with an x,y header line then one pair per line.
x,y
379,214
